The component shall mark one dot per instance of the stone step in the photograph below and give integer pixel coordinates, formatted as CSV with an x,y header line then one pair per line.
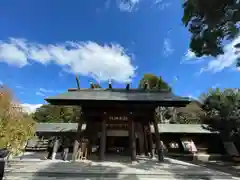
x,y
102,175
49,170
108,177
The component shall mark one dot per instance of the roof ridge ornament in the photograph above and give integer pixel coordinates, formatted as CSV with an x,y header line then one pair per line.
x,y
110,84
128,86
78,82
146,85
91,85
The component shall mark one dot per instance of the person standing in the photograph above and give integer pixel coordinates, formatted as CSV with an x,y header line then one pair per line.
x,y
50,148
65,145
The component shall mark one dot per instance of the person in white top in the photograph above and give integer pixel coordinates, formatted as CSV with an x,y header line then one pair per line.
x,y
193,149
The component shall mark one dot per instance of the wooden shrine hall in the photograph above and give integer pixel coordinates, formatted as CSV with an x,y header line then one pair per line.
x,y
106,111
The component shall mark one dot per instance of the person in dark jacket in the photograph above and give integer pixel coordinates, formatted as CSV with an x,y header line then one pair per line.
x,y
3,154
50,148
65,145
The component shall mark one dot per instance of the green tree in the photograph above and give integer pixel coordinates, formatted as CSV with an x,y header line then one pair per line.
x,y
154,82
16,127
222,111
191,114
52,114
211,23
96,85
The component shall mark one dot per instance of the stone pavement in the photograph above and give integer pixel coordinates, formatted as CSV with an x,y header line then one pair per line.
x,y
92,170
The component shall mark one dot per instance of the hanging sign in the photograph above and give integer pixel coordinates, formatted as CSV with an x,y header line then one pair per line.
x,y
118,118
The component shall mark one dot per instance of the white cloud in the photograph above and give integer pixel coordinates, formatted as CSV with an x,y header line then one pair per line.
x,y
226,60
215,86
192,97
45,90
189,55
1,83
86,58
162,4
19,87
39,93
30,108
12,54
127,5
167,47
191,58
131,5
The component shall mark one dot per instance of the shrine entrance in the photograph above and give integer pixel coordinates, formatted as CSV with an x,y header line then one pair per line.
x,y
117,145
118,120
117,141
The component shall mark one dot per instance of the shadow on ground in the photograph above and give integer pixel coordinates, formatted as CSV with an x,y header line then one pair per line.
x,y
223,166
121,168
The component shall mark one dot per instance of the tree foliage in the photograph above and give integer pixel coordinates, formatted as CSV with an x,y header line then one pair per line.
x,y
15,126
53,114
154,82
191,114
97,85
222,111
211,23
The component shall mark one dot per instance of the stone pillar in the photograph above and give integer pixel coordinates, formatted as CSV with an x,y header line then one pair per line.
x,y
55,148
158,143
103,139
151,149
132,139
141,139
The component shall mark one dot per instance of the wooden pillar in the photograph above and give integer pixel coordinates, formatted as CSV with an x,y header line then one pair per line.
x,y
151,149
55,148
132,139
140,138
103,139
146,145
157,135
77,139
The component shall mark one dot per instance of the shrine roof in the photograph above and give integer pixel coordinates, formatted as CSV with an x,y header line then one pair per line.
x,y
78,96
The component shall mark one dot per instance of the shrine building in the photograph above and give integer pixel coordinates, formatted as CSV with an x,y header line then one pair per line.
x,y
119,115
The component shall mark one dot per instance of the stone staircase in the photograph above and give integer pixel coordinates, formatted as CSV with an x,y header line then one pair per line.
x,y
89,170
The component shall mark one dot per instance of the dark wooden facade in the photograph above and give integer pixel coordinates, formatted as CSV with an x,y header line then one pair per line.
x,y
133,109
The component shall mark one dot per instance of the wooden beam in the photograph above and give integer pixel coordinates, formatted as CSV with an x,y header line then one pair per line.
x,y
99,113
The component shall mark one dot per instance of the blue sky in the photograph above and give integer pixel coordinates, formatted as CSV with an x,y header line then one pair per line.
x,y
43,43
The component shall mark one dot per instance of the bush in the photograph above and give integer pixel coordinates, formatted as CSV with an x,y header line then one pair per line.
x,y
16,127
